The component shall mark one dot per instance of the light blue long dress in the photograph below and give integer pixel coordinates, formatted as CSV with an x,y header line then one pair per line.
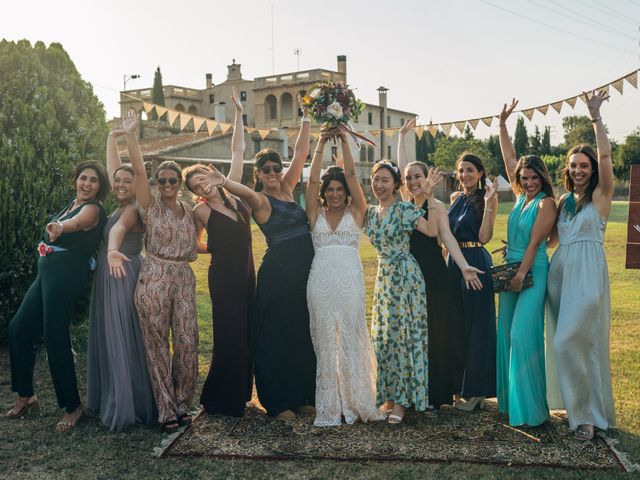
x,y
522,390
578,319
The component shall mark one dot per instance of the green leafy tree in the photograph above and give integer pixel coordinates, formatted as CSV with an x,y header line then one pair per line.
x,y
577,130
493,145
468,133
49,121
626,155
545,144
535,142
449,149
555,165
520,138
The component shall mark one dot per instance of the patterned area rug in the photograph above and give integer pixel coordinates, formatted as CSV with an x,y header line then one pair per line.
x,y
448,436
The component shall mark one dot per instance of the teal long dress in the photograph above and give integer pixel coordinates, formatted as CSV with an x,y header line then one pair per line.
x,y
522,391
399,318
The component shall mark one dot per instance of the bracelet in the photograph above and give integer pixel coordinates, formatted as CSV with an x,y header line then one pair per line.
x,y
597,119
112,250
224,182
305,119
488,210
61,225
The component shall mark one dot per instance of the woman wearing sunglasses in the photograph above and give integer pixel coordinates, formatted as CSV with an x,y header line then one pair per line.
x,y
165,295
285,363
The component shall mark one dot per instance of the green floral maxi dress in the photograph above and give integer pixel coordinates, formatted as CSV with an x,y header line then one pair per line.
x,y
399,317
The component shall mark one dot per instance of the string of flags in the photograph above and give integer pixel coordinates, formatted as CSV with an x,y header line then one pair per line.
x,y
183,119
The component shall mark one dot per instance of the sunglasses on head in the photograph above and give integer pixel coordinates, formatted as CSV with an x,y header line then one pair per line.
x,y
266,169
171,180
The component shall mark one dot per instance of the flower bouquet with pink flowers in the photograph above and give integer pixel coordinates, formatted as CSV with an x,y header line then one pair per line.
x,y
334,105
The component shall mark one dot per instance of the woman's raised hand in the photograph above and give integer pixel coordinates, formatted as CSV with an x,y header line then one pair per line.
x,y
491,190
302,106
116,260
236,100
434,177
130,122
471,279
594,100
210,178
507,110
406,126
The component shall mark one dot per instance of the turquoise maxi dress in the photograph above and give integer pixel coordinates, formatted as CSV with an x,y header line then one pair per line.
x,y
399,319
522,391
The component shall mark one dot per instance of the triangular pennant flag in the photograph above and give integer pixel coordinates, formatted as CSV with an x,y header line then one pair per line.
x,y
606,88
419,131
433,130
250,130
147,107
265,133
557,106
618,85
474,123
572,101
184,120
543,109
171,116
224,127
292,133
388,132
528,113
632,78
315,135
197,123
460,125
211,126
446,128
375,133
160,111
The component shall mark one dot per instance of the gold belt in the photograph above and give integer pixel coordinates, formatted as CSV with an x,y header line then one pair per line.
x,y
469,244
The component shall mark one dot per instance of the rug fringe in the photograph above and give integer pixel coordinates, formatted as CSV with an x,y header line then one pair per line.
x,y
622,457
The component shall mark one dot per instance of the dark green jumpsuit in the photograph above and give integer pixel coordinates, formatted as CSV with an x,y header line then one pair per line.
x,y
47,309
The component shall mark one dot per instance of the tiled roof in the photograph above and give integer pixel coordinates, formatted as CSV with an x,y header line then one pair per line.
x,y
153,147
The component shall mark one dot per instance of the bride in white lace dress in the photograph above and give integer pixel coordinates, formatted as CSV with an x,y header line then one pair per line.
x,y
346,364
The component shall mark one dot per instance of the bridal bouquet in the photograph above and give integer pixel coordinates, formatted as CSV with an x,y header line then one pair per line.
x,y
334,105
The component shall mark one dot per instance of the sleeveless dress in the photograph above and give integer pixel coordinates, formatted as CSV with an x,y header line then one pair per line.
x,y
399,324
522,390
285,363
473,312
346,372
428,254
118,385
48,308
579,319
232,284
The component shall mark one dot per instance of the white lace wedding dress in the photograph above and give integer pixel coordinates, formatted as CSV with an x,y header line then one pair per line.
x,y
346,364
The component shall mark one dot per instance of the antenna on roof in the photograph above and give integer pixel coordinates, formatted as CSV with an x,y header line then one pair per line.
x,y
273,44
297,52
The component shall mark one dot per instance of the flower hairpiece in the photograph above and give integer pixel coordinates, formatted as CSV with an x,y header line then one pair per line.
x,y
390,165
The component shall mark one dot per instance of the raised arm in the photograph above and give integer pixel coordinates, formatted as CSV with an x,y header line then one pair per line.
x,y
312,203
403,161
358,200
300,151
506,146
141,182
113,157
541,230
127,222
603,193
430,227
490,211
237,141
86,219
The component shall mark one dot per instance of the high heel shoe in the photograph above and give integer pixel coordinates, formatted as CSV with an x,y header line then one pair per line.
x,y
471,404
27,407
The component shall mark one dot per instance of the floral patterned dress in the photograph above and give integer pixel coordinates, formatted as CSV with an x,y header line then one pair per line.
x,y
399,318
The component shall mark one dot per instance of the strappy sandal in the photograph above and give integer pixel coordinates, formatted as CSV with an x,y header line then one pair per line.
x,y
185,419
26,408
394,418
583,434
170,426
64,426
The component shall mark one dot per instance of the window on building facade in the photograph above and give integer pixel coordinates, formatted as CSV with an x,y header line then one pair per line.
x,y
401,121
271,107
370,118
389,152
256,145
244,119
334,151
363,154
212,98
243,96
388,121
371,153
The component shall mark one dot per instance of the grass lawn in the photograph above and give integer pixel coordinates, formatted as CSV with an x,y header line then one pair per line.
x,y
31,449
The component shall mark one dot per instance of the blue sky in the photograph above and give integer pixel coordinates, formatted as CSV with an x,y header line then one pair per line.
x,y
445,61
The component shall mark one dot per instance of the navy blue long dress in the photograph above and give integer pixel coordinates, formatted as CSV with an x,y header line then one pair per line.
x,y
285,362
473,311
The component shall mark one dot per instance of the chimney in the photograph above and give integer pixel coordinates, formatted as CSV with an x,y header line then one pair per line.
x,y
382,101
209,80
233,71
342,64
382,97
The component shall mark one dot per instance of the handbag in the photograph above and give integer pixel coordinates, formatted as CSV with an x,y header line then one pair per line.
x,y
502,275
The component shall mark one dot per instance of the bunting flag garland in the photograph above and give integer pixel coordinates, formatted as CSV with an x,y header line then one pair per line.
x,y
223,127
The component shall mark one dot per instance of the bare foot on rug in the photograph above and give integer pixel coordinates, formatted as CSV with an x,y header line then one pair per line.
x,y
386,407
306,410
286,415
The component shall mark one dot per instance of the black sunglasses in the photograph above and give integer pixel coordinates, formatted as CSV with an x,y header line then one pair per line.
x,y
266,169
171,180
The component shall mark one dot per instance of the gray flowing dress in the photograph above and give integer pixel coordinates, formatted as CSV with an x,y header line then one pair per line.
x,y
118,385
578,322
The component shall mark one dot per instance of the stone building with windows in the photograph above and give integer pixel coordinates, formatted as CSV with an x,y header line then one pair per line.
x,y
269,102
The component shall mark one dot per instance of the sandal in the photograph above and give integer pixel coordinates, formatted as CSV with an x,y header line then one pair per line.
x,y
584,433
70,421
396,418
185,419
170,426
26,407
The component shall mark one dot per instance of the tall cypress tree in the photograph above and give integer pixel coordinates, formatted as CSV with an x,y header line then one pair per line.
x,y
520,138
545,147
157,94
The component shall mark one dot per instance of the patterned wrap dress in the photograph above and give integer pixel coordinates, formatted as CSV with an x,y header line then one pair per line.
x,y
473,312
399,326
165,299
579,320
522,390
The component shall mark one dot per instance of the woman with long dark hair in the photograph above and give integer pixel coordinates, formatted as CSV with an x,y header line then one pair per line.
x,y
472,215
69,242
579,309
522,390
